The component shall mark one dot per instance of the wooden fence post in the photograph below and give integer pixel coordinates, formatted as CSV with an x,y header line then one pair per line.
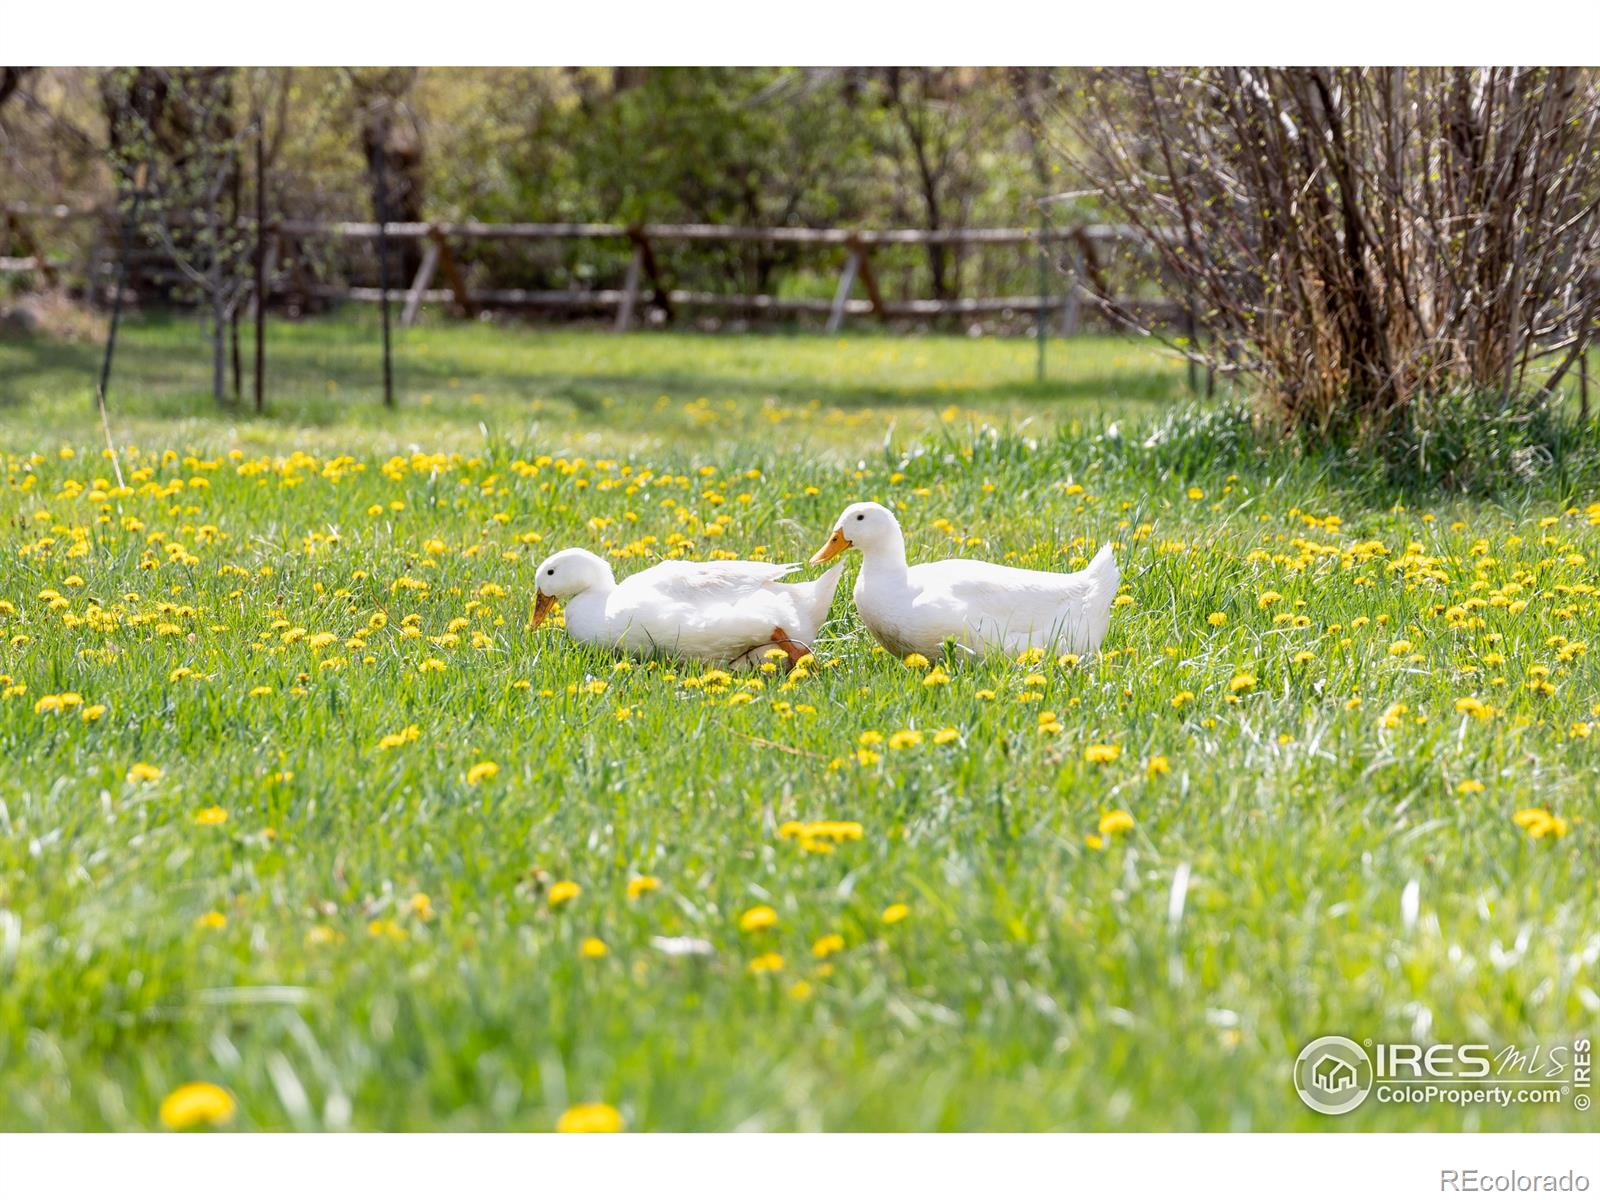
x,y
630,288
841,295
26,246
419,285
452,273
647,258
269,264
1072,306
869,278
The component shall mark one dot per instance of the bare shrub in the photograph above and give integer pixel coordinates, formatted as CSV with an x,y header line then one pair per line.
x,y
1360,238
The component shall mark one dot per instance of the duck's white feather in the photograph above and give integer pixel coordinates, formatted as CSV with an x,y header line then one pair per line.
x,y
721,612
981,607
707,582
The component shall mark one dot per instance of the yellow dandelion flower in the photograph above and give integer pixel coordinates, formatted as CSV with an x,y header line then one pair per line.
x,y
753,920
215,815
593,947
1116,821
564,891
196,1104
895,913
826,945
905,739
766,964
1539,823
1158,765
479,772
640,884
1217,619
945,736
917,662
1468,787
590,1118
1102,753
142,772
211,920
421,906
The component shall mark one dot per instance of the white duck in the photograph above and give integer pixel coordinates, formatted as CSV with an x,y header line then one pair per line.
x,y
728,613
980,606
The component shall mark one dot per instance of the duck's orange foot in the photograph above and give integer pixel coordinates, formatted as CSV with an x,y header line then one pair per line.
x,y
793,649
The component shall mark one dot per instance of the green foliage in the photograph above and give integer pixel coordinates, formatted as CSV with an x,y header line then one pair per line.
x,y
1485,443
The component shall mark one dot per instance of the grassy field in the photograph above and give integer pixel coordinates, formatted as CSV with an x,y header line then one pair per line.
x,y
580,392
296,804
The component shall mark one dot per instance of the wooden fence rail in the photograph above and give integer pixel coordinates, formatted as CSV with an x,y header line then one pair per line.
x,y
1084,246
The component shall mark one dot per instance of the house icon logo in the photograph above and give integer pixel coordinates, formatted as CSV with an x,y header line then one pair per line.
x,y
1333,1075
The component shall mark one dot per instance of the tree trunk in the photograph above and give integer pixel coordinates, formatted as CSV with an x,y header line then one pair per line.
x,y
219,375
392,147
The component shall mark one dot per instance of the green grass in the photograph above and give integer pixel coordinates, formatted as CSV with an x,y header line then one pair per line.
x,y
1038,982
581,391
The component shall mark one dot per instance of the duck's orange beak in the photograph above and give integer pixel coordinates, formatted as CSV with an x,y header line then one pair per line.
x,y
837,545
542,605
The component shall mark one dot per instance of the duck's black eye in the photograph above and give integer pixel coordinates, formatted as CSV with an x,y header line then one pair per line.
x,y
861,516
551,571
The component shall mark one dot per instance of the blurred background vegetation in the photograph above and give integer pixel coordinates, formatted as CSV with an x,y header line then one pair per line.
x,y
924,147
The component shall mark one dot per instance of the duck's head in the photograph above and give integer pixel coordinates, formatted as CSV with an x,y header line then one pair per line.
x,y
864,527
565,574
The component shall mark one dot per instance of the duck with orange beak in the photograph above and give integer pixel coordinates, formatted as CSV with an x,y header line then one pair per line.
x,y
980,607
728,613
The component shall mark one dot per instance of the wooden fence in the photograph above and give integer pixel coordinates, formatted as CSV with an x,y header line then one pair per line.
x,y
1082,251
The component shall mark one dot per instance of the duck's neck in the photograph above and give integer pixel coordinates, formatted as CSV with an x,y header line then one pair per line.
x,y
586,612
885,563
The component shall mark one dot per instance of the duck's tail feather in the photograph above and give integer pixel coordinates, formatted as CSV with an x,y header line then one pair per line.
x,y
1103,568
821,598
1104,578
